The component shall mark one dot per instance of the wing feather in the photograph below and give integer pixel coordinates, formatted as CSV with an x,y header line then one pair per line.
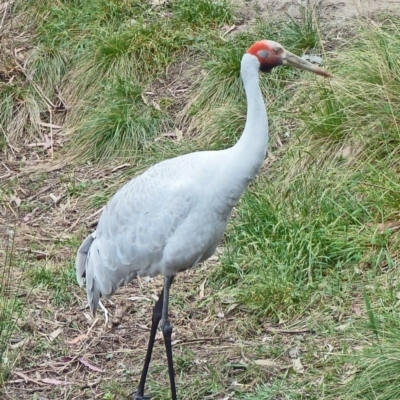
x,y
134,229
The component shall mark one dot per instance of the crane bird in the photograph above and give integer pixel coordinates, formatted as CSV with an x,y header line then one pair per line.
x,y
173,215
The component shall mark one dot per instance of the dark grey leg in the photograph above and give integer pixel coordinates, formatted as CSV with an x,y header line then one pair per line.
x,y
167,332
155,320
158,313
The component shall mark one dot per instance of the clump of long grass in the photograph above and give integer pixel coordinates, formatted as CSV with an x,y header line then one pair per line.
x,y
336,181
304,33
83,56
120,128
20,112
358,108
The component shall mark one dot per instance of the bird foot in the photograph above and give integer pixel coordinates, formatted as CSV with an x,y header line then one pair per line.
x,y
138,397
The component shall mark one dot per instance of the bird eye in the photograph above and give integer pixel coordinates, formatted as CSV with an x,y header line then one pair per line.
x,y
278,50
263,53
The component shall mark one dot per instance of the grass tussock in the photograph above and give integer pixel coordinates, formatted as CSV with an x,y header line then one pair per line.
x,y
89,61
359,108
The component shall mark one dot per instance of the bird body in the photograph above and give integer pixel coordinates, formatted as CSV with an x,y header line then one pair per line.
x,y
174,215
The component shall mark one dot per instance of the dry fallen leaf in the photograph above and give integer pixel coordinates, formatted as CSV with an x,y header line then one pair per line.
x,y
55,198
54,334
156,105
51,381
298,366
16,200
346,151
87,316
78,339
295,352
342,328
86,363
203,284
30,215
389,225
20,343
266,363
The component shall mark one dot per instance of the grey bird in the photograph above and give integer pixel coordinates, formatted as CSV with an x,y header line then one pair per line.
x,y
173,216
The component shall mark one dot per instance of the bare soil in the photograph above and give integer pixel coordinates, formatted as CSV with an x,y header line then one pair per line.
x,y
334,11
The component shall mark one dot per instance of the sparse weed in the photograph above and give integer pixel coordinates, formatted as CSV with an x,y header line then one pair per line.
x,y
59,281
204,12
11,307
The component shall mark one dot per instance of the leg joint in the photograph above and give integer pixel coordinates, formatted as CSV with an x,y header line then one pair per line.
x,y
166,328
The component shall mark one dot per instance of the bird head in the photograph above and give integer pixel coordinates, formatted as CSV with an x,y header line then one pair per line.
x,y
271,54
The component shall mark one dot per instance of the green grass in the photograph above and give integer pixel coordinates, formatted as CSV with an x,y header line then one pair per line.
x,y
318,217
103,57
304,33
287,244
12,304
377,365
58,281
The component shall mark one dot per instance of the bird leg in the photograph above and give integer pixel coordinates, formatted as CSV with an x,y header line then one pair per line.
x,y
167,332
155,320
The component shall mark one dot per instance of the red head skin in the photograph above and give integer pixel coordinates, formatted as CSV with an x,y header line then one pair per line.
x,y
269,54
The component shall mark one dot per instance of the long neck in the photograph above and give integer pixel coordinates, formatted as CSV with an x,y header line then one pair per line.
x,y
242,161
253,143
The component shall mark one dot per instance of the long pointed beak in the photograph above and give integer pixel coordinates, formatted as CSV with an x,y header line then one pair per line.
x,y
295,61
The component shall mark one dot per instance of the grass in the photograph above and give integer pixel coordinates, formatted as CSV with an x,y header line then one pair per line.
x,y
11,307
319,216
377,365
110,51
305,33
313,245
54,280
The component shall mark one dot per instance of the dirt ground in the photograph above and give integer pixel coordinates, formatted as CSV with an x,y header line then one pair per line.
x,y
338,12
63,347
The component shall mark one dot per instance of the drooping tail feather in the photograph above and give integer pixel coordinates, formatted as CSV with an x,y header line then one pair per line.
x,y
81,257
86,274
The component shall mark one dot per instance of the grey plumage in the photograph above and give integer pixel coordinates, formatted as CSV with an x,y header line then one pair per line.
x,y
166,220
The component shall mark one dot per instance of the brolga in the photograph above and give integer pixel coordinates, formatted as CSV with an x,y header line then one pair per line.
x,y
173,216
